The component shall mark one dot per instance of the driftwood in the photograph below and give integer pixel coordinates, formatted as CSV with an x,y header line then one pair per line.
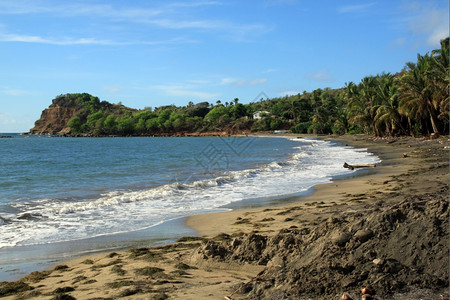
x,y
352,167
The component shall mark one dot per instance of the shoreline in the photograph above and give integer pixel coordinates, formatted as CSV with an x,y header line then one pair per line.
x,y
39,257
343,195
324,192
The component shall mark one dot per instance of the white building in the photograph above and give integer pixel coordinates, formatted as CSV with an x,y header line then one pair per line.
x,y
259,114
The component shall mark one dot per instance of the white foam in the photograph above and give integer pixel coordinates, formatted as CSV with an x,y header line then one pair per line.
x,y
313,162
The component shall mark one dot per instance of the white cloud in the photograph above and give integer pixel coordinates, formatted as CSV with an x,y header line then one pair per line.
x,y
13,92
227,80
397,43
323,75
269,71
357,8
185,91
427,22
258,81
432,23
10,123
112,88
288,93
6,37
168,16
242,82
279,2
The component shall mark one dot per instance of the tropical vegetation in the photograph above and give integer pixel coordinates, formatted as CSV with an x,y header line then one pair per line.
x,y
414,101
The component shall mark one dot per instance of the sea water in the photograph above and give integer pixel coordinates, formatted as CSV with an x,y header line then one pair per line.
x,y
55,190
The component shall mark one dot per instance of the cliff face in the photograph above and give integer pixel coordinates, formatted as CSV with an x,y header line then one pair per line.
x,y
54,120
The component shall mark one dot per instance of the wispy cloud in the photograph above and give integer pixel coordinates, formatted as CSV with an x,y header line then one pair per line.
x,y
399,42
288,93
185,91
112,89
167,16
279,2
7,37
258,81
424,25
4,37
322,75
432,23
269,71
242,82
6,90
357,8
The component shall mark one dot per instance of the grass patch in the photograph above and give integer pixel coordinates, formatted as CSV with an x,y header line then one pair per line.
x,y
90,281
14,287
112,254
61,268
130,292
88,262
183,266
190,239
137,252
176,246
242,221
179,273
146,254
63,297
37,276
78,279
267,220
152,272
112,263
119,284
63,290
118,270
159,297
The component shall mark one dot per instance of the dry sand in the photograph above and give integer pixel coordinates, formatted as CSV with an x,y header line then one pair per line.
x,y
263,253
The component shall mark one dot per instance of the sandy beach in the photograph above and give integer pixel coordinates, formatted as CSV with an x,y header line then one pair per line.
x,y
385,229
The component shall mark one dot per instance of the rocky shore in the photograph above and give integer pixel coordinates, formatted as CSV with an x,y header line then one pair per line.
x,y
386,231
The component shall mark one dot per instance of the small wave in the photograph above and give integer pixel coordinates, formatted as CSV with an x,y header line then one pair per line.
x,y
52,220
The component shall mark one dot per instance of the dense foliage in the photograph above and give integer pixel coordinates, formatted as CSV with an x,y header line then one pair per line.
x,y
414,101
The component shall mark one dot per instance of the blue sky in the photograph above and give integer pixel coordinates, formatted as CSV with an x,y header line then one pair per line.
x,y
153,53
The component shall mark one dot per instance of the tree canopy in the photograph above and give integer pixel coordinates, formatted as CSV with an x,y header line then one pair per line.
x,y
414,101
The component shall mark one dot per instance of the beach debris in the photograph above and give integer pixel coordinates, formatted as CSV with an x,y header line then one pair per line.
x,y
364,235
352,167
367,291
340,238
405,155
346,296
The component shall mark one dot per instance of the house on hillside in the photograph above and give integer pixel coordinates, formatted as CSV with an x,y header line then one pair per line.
x,y
258,115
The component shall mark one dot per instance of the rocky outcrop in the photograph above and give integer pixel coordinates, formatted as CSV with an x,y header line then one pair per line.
x,y
54,120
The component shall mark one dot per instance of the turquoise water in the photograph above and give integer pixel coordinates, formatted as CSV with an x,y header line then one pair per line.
x,y
63,190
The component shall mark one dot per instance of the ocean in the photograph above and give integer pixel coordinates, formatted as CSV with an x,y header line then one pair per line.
x,y
81,195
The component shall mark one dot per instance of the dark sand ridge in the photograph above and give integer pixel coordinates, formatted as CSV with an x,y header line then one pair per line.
x,y
387,229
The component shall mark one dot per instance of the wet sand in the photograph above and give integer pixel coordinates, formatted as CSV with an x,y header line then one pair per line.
x,y
223,262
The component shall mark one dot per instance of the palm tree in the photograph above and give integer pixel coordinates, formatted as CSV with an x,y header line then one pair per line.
x,y
356,113
387,112
416,92
363,104
439,76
